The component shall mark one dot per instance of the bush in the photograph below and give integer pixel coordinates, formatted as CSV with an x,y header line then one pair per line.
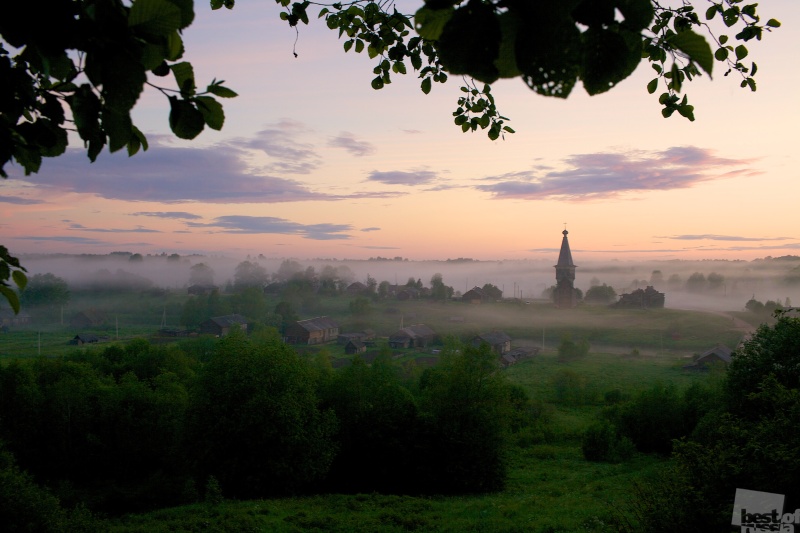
x,y
601,442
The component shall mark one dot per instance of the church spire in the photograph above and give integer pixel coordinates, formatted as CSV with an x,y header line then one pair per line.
x,y
565,256
565,294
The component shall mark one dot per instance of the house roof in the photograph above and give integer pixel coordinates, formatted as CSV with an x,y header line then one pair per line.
x,y
228,320
415,331
494,338
318,324
721,351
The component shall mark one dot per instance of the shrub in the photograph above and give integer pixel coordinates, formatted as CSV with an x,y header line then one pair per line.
x,y
602,442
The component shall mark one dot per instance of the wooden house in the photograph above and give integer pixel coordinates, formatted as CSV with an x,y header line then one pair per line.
x,y
199,289
641,299
416,336
474,296
312,331
221,325
356,288
354,346
90,318
498,341
718,355
80,340
9,318
366,336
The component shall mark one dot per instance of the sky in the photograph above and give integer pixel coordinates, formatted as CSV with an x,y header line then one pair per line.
x,y
314,163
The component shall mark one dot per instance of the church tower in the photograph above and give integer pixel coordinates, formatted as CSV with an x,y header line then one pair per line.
x,y
565,293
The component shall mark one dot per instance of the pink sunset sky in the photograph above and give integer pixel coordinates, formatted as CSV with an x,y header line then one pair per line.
x,y
312,162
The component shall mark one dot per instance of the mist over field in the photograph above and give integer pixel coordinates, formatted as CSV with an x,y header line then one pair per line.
x,y
724,285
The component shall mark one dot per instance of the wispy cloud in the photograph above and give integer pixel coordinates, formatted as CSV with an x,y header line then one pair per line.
x,y
397,177
371,229
166,174
283,143
138,229
709,237
181,215
604,175
19,201
274,225
348,142
61,238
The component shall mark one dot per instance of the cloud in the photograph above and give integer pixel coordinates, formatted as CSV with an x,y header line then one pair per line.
x,y
347,141
381,247
371,229
19,201
273,225
282,143
605,175
166,174
137,229
397,177
63,238
708,237
169,175
167,214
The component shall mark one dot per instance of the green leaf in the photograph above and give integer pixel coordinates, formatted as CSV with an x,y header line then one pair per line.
x,y
212,112
429,23
174,46
155,17
723,39
11,296
118,128
772,23
652,86
721,54
377,83
185,121
20,279
426,85
711,12
218,90
359,46
694,46
184,76
348,45
741,52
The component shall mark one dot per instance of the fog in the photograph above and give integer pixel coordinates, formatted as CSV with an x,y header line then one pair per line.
x,y
734,282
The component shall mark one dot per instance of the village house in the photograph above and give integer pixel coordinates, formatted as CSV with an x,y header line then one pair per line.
x,y
201,290
90,318
718,355
80,340
356,288
366,336
498,341
9,318
642,299
474,296
312,331
416,336
354,346
221,325
517,354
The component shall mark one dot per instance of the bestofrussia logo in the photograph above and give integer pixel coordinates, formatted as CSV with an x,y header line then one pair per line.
x,y
757,512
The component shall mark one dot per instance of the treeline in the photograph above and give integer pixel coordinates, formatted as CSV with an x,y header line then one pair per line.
x,y
137,427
